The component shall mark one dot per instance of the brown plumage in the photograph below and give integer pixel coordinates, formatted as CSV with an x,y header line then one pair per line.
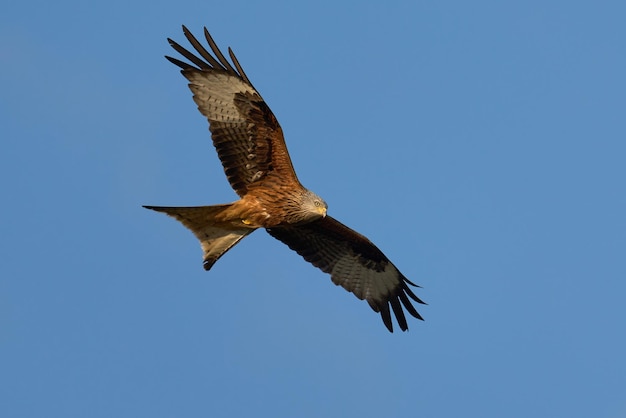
x,y
251,147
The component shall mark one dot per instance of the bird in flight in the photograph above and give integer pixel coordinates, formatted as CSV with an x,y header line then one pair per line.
x,y
250,144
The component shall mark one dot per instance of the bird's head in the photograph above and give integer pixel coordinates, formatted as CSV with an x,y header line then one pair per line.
x,y
314,206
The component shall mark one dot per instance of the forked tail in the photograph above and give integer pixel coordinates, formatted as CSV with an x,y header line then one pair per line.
x,y
216,237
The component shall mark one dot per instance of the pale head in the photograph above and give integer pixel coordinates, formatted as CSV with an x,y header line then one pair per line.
x,y
310,208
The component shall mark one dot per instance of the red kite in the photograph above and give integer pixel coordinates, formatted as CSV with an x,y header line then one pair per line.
x,y
251,147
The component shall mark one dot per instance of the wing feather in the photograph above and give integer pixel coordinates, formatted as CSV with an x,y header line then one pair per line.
x,y
190,56
356,264
218,53
201,49
238,66
248,138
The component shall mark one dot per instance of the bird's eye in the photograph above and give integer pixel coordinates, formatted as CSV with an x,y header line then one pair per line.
x,y
317,203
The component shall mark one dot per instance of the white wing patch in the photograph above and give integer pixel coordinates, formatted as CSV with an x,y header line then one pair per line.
x,y
214,93
365,283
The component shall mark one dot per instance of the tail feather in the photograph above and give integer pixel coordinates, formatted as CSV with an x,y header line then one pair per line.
x,y
216,237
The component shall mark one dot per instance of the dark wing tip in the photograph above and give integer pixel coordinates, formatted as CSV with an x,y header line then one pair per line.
x,y
182,64
399,313
409,306
205,60
399,301
386,316
407,290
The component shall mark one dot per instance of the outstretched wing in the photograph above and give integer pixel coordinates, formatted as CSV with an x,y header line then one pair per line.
x,y
355,263
245,132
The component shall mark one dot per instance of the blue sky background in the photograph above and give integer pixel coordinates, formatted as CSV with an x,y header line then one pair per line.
x,y
481,145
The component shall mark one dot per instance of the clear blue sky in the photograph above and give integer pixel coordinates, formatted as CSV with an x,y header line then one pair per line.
x,y
481,145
